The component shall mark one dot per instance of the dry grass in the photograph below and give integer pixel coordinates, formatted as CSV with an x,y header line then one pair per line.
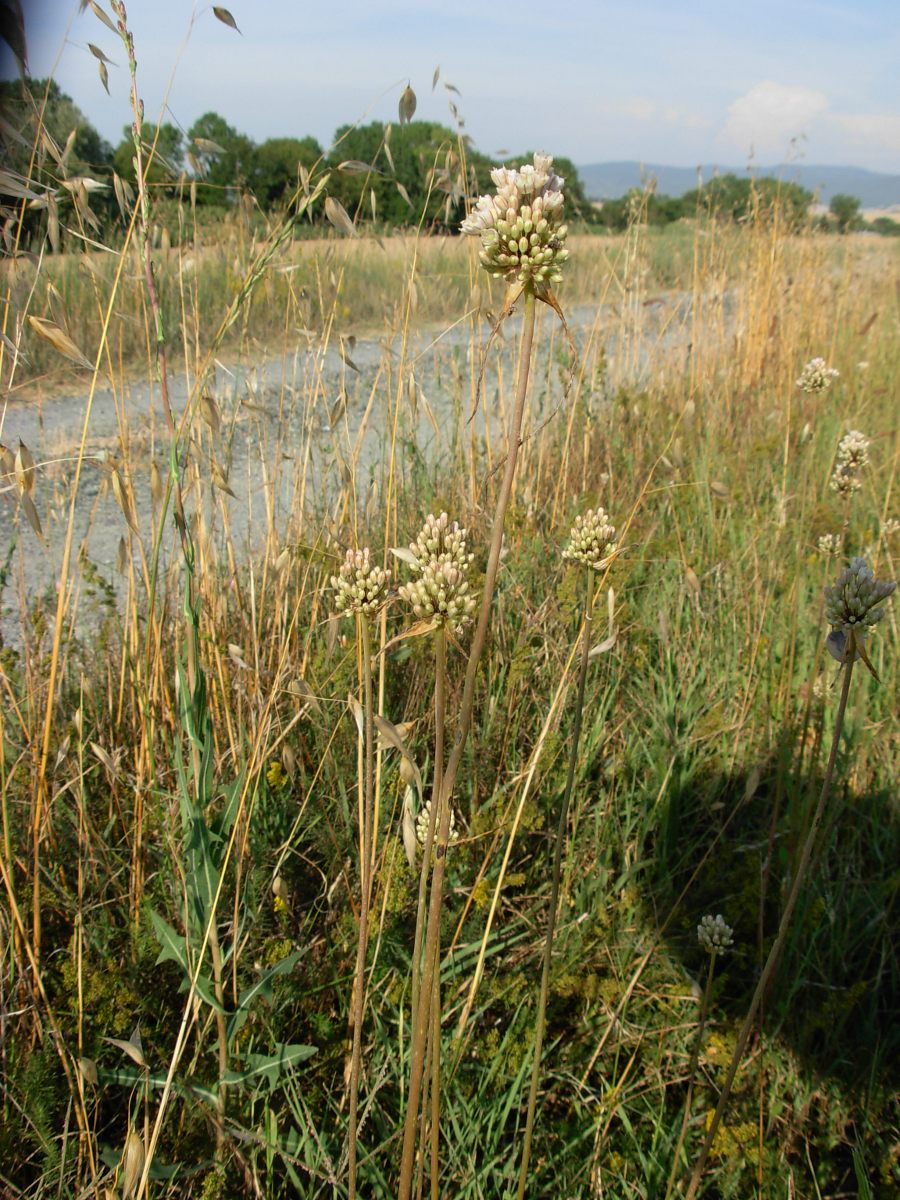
x,y
703,736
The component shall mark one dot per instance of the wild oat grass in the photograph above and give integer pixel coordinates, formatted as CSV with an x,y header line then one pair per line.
x,y
199,811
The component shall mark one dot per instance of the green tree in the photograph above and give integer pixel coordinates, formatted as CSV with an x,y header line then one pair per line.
x,y
273,172
50,142
167,160
227,167
845,210
418,171
28,103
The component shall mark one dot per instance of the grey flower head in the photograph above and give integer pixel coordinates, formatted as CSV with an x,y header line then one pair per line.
x,y
440,591
816,376
520,226
852,605
714,935
592,539
360,586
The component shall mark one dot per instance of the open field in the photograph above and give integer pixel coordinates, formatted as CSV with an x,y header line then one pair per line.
x,y
196,821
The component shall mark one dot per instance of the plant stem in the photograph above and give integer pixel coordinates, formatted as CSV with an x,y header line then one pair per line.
x,y
692,1071
420,1017
554,886
775,952
366,859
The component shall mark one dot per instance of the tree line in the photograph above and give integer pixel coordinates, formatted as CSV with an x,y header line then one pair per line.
x,y
411,173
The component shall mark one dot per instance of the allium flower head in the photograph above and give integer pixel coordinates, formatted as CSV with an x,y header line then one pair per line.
x,y
829,544
441,540
714,935
423,820
816,376
592,539
520,226
852,604
852,459
360,585
440,592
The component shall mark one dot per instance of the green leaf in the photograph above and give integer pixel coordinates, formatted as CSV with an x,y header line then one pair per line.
x,y
262,988
173,945
270,1067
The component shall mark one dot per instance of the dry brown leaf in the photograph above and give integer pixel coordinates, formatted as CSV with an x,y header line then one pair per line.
x,y
209,411
98,53
339,217
123,499
403,192
101,16
407,105
225,17
24,469
60,341
32,514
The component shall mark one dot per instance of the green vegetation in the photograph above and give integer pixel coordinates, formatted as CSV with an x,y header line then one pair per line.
x,y
207,779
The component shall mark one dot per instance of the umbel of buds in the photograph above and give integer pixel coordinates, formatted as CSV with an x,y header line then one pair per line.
x,y
360,586
423,820
592,539
852,459
816,376
520,226
714,935
852,605
440,590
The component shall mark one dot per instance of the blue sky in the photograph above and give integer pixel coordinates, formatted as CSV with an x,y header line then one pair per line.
x,y
669,81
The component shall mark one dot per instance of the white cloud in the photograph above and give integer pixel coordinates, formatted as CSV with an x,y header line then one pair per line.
x,y
770,115
879,129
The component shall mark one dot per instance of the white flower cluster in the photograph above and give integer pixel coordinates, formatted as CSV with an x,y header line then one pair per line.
x,y
592,539
521,230
360,586
890,527
440,592
817,376
852,459
829,544
851,605
714,935
424,819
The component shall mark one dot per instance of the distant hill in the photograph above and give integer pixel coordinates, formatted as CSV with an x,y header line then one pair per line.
x,y
607,181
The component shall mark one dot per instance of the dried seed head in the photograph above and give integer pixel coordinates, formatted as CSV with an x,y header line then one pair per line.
x,y
520,226
852,459
360,586
816,376
714,935
592,539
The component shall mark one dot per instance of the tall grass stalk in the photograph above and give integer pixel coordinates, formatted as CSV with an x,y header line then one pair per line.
x,y
367,866
553,901
421,1018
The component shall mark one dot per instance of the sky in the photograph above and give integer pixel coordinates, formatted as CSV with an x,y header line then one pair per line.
x,y
675,82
